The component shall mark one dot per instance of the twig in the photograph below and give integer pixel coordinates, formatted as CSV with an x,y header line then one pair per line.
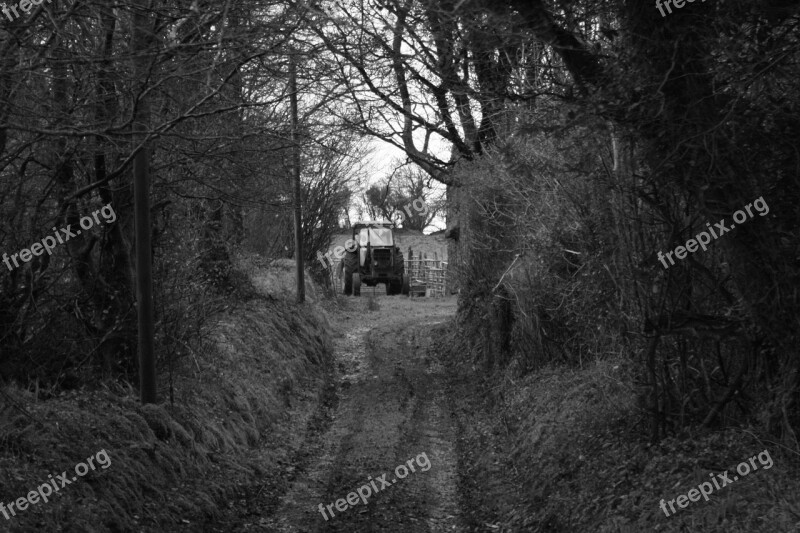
x,y
506,272
24,411
191,351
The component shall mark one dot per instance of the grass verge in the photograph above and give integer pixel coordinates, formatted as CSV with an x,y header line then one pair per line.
x,y
173,466
565,450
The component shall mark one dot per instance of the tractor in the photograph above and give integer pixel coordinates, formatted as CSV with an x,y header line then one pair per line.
x,y
371,257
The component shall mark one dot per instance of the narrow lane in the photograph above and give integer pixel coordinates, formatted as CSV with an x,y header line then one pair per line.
x,y
392,411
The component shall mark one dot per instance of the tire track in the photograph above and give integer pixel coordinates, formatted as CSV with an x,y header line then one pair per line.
x,y
391,408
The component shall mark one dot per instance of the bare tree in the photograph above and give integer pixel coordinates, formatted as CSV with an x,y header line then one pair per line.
x,y
406,198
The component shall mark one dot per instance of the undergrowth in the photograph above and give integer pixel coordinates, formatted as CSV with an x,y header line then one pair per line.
x,y
172,464
571,446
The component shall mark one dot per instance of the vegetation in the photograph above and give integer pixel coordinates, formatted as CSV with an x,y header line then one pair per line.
x,y
411,203
235,404
218,144
576,139
584,138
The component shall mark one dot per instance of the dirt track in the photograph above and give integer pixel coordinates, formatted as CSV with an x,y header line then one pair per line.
x,y
389,406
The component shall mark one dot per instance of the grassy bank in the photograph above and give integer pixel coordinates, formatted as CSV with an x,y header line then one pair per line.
x,y
173,465
566,450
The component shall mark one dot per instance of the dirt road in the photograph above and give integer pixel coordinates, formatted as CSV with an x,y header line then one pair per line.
x,y
388,409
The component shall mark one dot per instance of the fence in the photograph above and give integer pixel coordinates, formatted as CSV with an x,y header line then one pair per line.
x,y
428,277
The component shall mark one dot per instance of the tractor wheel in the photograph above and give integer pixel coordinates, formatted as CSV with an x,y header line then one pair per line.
x,y
356,284
399,272
406,286
399,264
350,266
340,275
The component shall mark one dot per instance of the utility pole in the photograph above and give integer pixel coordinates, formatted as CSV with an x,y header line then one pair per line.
x,y
298,212
140,40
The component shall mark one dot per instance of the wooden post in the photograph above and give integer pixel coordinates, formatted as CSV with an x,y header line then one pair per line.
x,y
140,40
298,213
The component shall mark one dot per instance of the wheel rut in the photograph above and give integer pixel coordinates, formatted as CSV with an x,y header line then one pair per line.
x,y
392,422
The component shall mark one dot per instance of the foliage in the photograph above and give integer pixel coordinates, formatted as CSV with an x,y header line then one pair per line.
x,y
233,397
569,447
394,199
623,132
218,142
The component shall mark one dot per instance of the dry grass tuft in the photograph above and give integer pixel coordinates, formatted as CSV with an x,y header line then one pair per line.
x,y
372,304
169,463
578,460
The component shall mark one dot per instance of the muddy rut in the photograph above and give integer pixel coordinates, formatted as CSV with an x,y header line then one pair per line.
x,y
390,409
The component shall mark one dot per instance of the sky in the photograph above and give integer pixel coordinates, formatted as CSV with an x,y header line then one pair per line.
x,y
382,160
